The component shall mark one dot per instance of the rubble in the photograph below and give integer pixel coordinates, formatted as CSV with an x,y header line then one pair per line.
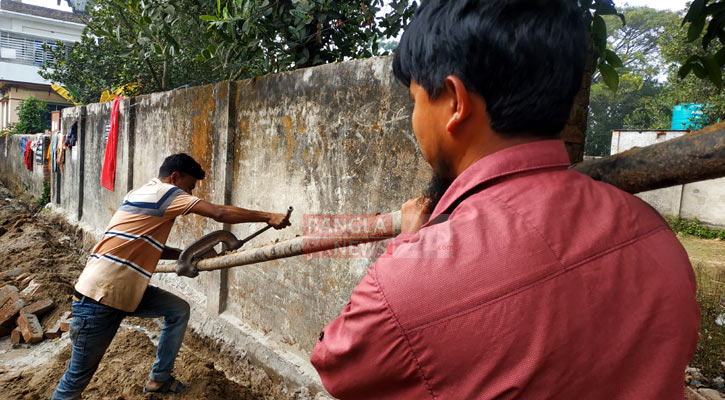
x,y
10,307
30,327
65,321
39,307
16,337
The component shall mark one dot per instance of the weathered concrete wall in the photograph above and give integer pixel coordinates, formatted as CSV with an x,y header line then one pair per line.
x,y
67,190
338,140
99,203
12,166
702,200
332,139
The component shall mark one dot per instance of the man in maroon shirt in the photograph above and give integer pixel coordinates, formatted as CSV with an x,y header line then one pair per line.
x,y
528,280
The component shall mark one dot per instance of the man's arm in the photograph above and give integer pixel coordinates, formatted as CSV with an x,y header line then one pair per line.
x,y
236,215
364,354
170,253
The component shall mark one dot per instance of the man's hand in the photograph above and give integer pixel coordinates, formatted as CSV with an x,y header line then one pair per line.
x,y
170,253
415,212
278,221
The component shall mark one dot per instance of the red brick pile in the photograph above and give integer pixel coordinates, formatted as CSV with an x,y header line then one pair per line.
x,y
22,320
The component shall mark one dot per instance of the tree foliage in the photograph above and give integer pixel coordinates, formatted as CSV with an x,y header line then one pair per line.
x,y
252,37
32,116
166,44
637,43
605,60
705,20
87,68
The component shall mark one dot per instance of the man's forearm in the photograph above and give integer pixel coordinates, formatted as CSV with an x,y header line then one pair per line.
x,y
237,215
170,253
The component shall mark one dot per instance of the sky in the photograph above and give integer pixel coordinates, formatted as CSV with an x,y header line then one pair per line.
x,y
674,5
50,4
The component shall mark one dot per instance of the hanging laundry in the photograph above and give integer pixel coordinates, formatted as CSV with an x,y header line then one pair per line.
x,y
28,155
53,154
47,157
72,137
60,153
23,143
39,150
108,175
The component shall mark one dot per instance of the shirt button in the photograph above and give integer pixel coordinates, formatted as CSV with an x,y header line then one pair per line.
x,y
322,335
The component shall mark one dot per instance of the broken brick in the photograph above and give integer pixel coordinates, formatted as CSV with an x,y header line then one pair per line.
x,y
39,307
16,337
54,331
65,321
27,279
13,273
10,308
32,288
30,327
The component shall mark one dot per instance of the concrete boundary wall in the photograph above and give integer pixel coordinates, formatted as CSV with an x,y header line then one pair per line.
x,y
13,171
331,139
704,200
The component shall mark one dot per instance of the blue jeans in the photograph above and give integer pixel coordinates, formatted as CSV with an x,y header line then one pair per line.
x,y
94,326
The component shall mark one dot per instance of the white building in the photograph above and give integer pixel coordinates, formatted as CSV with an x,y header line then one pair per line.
x,y
23,31
702,200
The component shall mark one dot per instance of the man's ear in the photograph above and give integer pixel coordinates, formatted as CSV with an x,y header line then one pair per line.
x,y
174,177
461,104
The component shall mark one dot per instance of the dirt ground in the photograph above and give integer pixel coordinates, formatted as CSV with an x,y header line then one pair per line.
x,y
54,253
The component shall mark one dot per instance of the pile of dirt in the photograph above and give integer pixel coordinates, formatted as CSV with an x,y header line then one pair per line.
x,y
53,252
123,372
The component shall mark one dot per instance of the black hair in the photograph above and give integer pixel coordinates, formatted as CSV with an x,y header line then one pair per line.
x,y
182,163
524,57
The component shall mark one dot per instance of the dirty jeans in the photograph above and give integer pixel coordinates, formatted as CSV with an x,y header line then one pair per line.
x,y
94,326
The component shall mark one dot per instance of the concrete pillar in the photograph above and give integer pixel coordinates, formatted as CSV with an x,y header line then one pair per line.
x,y
224,95
81,159
131,142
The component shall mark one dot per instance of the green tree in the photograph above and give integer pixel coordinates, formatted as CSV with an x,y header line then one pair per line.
x,y
705,21
166,44
253,37
32,116
697,87
89,67
637,44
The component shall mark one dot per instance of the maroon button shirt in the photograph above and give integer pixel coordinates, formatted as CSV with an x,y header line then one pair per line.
x,y
542,283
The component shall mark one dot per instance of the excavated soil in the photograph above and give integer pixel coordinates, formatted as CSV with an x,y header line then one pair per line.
x,y
53,252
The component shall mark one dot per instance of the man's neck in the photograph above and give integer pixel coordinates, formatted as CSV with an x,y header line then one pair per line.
x,y
484,148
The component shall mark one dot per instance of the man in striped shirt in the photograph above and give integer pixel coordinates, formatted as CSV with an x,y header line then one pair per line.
x,y
114,283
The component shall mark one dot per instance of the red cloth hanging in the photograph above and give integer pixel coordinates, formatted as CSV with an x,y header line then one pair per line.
x,y
108,175
28,155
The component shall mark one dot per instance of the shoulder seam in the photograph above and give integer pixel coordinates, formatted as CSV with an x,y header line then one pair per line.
x,y
405,335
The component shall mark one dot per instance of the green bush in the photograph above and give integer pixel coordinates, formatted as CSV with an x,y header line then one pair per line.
x,y
45,197
695,228
32,116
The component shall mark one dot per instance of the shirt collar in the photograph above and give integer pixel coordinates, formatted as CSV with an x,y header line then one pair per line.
x,y
515,159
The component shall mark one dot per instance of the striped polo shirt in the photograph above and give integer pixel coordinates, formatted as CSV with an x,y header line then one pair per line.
x,y
120,267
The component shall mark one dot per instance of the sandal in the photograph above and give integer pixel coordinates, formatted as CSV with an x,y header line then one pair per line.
x,y
166,387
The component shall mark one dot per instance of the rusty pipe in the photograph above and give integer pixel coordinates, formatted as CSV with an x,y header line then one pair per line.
x,y
306,244
696,156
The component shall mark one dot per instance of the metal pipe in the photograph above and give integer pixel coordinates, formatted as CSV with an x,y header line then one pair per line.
x,y
696,156
300,245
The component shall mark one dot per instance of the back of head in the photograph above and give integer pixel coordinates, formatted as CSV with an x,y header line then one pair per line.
x,y
524,57
182,163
